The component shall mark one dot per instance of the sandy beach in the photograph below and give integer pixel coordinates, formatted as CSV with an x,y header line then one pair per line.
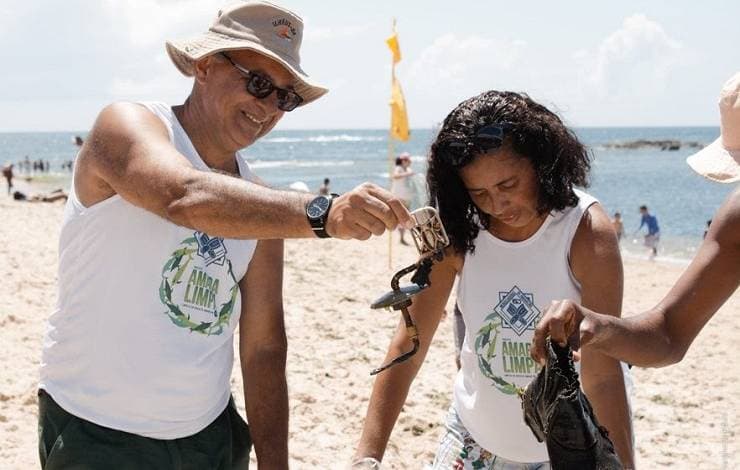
x,y
685,416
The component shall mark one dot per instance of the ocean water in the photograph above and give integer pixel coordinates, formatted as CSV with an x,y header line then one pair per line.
x,y
622,179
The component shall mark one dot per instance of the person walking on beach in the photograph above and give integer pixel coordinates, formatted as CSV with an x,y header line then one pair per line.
x,y
159,263
661,336
8,175
324,188
400,184
502,172
618,225
653,236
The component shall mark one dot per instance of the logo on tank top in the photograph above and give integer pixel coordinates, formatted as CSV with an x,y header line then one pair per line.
x,y
517,309
192,285
501,356
212,250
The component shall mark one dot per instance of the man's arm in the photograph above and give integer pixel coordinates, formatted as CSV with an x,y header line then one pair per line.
x,y
263,350
392,385
597,265
129,153
662,335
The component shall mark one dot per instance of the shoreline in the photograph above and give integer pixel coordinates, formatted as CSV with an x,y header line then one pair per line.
x,y
667,260
335,339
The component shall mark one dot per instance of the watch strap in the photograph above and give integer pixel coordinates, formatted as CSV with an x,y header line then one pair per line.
x,y
318,225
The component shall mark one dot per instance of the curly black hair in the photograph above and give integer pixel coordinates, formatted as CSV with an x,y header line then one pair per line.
x,y
533,132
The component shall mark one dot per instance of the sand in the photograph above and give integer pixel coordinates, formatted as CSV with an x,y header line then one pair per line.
x,y
685,416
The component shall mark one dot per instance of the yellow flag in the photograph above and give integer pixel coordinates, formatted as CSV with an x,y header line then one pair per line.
x,y
399,119
394,47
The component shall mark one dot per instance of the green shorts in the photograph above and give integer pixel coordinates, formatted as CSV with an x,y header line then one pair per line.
x,y
69,442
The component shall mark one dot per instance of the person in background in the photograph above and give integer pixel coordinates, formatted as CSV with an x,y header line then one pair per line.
x,y
8,175
51,196
653,236
618,225
324,188
503,173
662,335
400,184
706,231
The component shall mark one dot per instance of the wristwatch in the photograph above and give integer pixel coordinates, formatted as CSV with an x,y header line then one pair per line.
x,y
317,212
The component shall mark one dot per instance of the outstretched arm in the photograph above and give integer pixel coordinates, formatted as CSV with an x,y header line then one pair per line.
x,y
129,153
662,335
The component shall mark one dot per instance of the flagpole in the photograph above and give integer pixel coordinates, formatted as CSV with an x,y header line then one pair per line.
x,y
391,152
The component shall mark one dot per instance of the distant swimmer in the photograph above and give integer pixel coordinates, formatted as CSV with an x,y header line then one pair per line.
x,y
324,188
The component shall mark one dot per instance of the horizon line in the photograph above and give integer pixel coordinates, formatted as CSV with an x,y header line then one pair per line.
x,y
303,129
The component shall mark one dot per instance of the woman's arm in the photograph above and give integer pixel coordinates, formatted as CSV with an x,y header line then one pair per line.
x,y
392,385
662,335
597,265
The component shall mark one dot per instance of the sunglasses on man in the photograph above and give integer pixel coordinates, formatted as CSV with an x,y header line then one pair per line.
x,y
459,151
261,87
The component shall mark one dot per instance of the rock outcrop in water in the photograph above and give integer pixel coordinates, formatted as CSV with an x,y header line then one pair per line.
x,y
661,144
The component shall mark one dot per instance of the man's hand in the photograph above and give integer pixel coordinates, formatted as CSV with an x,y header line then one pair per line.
x,y
564,322
365,211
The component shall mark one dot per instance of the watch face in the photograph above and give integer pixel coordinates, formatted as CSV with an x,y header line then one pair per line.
x,y
317,207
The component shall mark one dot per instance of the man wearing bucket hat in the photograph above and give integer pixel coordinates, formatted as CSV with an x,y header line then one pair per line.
x,y
662,335
159,262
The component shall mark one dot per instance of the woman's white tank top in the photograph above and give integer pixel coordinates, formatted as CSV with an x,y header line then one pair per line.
x,y
504,288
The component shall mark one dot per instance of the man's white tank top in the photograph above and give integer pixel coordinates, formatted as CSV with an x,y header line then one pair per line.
x,y
503,290
141,338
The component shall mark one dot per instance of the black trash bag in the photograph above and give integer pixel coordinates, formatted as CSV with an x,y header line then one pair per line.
x,y
558,412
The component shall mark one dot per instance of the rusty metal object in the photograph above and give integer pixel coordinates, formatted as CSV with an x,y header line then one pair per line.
x,y
430,239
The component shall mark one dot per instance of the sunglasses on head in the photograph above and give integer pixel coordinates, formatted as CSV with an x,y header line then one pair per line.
x,y
261,87
459,151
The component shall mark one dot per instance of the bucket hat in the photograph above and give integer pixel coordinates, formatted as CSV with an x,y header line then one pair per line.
x,y
259,26
720,160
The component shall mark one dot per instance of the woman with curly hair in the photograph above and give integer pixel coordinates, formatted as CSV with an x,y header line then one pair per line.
x,y
502,173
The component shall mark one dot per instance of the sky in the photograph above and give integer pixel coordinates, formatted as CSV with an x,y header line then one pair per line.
x,y
627,63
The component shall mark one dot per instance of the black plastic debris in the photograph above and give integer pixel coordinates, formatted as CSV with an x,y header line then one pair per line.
x,y
558,413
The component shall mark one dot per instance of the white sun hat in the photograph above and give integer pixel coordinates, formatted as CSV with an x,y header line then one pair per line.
x,y
259,26
720,161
